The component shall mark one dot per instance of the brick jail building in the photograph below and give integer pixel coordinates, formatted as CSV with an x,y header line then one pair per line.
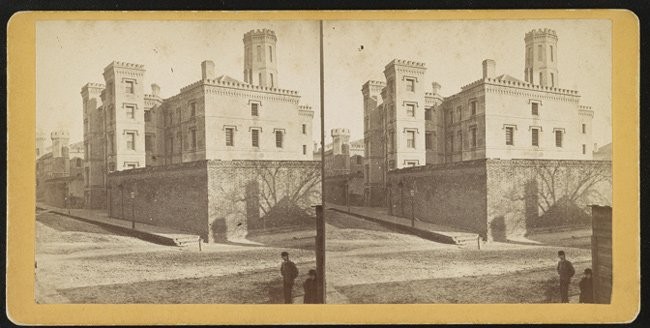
x,y
454,154
218,117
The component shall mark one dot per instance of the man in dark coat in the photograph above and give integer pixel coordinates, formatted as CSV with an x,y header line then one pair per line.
x,y
289,273
586,287
566,271
310,288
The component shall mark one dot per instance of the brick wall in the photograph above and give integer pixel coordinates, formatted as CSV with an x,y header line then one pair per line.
x,y
335,188
248,195
529,195
448,194
172,196
499,199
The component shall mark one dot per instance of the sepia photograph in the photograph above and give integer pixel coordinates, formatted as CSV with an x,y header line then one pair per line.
x,y
175,161
468,161
323,161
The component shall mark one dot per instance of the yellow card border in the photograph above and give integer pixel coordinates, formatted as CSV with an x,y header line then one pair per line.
x,y
21,100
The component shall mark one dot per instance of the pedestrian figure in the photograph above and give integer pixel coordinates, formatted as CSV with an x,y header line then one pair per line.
x,y
289,273
586,287
566,271
310,288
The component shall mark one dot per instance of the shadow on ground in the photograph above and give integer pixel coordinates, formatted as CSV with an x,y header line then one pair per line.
x,y
258,287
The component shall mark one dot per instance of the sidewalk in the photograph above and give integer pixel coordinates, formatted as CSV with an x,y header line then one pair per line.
x,y
148,232
434,232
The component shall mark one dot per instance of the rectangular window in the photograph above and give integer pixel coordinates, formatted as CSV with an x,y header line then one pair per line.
x,y
170,145
147,116
193,138
410,110
540,50
534,137
534,108
148,142
259,76
130,140
410,85
552,80
510,141
551,52
304,129
540,77
473,106
460,140
472,136
278,139
451,143
179,116
255,109
428,141
130,111
304,149
584,149
359,159
584,128
459,111
130,86
558,138
410,139
192,109
255,138
271,79
450,116
230,137
259,54
428,114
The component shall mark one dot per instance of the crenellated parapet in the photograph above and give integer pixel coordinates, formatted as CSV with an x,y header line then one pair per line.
x,y
521,85
240,86
540,33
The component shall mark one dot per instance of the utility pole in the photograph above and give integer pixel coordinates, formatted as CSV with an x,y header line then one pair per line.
x,y
132,210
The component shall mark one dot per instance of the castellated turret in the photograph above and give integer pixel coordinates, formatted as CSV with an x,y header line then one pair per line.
x,y
40,143
340,141
541,58
260,59
60,139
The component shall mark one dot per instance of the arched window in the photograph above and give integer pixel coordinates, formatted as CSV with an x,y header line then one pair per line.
x,y
270,54
271,77
259,53
259,76
551,52
540,50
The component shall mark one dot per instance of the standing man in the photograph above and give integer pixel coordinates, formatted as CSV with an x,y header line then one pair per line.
x,y
289,273
566,271
310,288
586,287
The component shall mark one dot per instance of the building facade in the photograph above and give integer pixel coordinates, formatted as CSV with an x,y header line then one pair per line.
x,y
494,117
214,118
59,172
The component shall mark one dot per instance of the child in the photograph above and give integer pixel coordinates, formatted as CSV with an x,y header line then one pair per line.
x,y
586,287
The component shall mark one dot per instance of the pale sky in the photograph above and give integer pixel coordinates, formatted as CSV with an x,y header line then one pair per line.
x,y
71,53
453,52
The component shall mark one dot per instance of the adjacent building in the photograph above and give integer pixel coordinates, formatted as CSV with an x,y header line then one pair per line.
x,y
59,172
217,117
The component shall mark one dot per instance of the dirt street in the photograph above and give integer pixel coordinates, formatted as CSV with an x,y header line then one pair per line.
x,y
81,263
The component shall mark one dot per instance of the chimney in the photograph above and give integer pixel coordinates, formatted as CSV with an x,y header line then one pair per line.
x,y
489,66
207,70
155,89
436,87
